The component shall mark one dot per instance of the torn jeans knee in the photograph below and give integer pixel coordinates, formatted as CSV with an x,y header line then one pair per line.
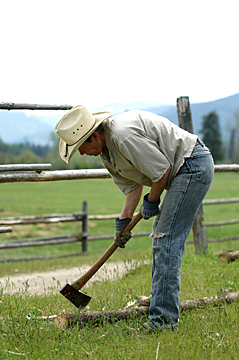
x,y
159,236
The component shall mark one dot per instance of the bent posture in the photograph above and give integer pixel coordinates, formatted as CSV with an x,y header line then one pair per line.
x,y
140,148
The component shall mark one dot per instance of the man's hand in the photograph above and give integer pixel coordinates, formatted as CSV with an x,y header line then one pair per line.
x,y
149,209
120,237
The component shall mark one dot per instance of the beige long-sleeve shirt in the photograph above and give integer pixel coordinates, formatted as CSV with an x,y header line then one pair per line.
x,y
140,148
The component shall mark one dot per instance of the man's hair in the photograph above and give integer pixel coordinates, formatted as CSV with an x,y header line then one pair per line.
x,y
99,130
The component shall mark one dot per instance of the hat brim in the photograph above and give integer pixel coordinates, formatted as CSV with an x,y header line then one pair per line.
x,y
67,151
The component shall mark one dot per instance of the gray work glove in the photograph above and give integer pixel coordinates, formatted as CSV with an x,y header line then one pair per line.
x,y
120,237
149,209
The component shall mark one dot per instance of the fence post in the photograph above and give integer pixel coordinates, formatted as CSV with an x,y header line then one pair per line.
x,y
84,227
199,229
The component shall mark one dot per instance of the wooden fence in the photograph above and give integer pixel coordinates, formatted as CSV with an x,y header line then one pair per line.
x,y
38,173
83,236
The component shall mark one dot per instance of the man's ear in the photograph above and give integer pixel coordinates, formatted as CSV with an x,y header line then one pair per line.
x,y
95,135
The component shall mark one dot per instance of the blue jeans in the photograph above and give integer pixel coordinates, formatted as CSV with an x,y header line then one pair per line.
x,y
170,231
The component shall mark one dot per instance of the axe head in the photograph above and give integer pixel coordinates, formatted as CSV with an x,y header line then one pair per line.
x,y
79,299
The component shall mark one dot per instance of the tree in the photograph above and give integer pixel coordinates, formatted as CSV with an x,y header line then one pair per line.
x,y
232,144
235,154
211,135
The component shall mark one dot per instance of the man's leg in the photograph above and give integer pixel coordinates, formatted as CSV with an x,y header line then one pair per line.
x,y
171,229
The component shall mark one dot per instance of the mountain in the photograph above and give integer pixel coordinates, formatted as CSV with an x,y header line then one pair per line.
x,y
17,126
224,108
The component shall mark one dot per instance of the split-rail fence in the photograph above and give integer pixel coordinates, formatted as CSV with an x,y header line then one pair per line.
x,y
40,172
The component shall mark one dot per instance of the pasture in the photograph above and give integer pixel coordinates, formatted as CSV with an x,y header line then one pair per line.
x,y
205,333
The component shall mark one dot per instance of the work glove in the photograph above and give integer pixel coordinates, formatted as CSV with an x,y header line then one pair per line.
x,y
120,237
149,209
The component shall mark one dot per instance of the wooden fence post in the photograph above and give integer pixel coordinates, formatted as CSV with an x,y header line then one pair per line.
x,y
199,229
85,227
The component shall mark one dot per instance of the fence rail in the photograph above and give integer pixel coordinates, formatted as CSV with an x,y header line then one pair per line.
x,y
42,219
78,174
25,167
5,230
54,175
26,106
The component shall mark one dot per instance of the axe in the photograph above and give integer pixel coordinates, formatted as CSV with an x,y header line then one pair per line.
x,y
72,293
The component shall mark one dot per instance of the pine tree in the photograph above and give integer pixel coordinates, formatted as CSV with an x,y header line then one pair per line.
x,y
211,135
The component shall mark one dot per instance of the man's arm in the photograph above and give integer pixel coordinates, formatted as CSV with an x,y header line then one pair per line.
x,y
158,187
151,201
132,198
131,202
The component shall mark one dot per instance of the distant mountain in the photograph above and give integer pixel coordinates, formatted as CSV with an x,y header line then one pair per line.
x,y
224,107
16,126
117,108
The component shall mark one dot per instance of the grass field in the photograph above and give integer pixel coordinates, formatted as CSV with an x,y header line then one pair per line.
x,y
103,198
209,333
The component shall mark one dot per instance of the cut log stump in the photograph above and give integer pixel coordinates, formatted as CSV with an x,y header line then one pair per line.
x,y
65,321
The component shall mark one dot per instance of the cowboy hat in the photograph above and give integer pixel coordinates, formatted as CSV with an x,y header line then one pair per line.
x,y
75,127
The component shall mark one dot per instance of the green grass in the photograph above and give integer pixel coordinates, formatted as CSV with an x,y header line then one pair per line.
x,y
209,333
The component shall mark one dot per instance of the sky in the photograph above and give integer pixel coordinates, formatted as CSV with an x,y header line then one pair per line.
x,y
98,52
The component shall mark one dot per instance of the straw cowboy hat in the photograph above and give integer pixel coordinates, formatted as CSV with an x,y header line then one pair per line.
x,y
75,127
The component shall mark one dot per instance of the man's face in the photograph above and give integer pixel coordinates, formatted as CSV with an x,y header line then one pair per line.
x,y
93,148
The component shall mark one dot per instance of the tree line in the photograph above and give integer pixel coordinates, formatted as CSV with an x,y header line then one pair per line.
x,y
210,133
26,153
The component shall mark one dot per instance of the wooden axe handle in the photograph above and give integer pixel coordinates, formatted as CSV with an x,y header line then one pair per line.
x,y
79,283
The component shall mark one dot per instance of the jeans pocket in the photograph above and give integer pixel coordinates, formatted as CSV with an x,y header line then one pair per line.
x,y
204,167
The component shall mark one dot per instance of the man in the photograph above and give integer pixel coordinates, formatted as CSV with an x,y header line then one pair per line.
x,y
139,148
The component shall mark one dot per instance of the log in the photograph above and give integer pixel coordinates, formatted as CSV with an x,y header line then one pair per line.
x,y
58,239
21,106
208,300
47,257
5,229
42,219
220,223
25,167
227,238
220,201
226,168
54,175
78,174
65,321
229,256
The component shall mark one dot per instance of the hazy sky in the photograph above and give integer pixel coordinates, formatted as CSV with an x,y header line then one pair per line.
x,y
96,52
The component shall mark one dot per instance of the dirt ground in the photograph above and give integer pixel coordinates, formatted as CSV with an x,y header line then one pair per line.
x,y
52,281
